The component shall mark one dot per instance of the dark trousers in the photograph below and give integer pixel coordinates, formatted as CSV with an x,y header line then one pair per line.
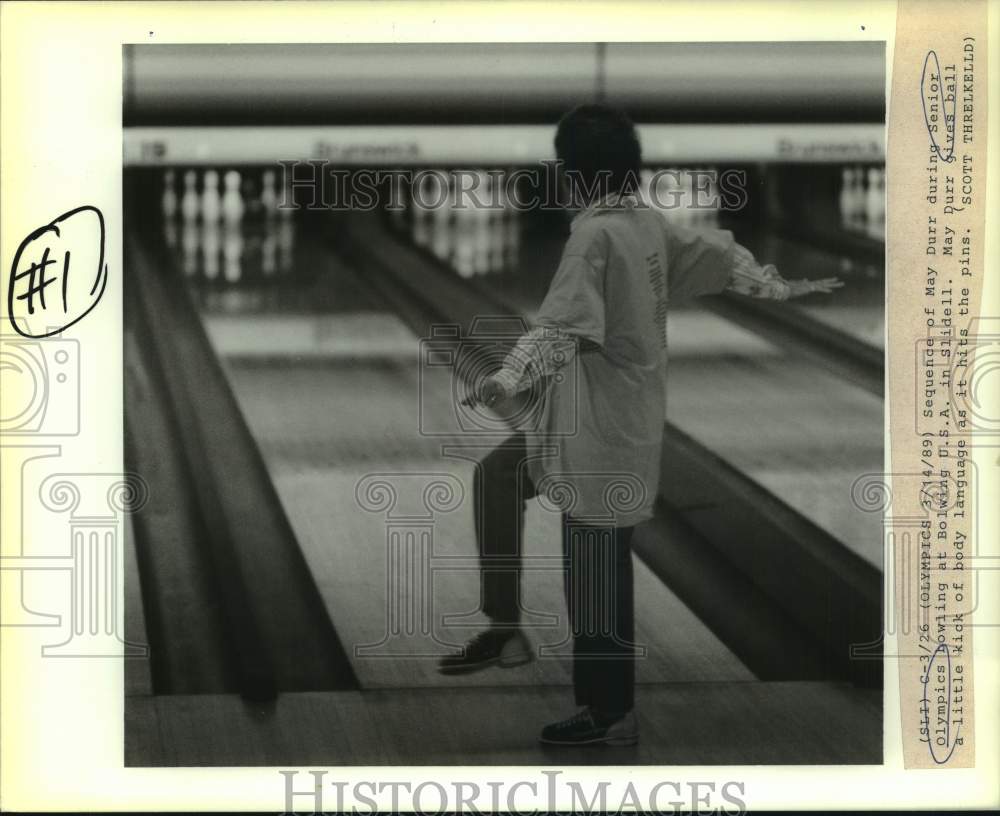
x,y
598,579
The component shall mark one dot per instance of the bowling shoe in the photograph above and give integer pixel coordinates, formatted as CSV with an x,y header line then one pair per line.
x,y
502,647
589,726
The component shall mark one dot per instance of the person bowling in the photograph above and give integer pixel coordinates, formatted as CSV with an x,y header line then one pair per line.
x,y
596,451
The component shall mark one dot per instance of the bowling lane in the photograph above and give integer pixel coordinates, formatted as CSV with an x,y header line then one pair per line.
x,y
858,309
329,382
803,434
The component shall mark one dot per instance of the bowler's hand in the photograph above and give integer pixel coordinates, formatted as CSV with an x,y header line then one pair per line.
x,y
807,287
488,392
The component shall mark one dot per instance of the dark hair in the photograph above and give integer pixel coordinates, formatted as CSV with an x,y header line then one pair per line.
x,y
599,148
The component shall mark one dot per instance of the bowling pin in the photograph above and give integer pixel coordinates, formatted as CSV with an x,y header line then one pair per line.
x,y
210,201
232,201
189,248
210,249
875,195
851,196
875,204
844,198
169,200
190,205
232,252
268,194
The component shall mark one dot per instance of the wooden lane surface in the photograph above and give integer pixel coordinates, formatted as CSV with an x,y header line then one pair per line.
x,y
858,309
802,434
341,401
726,723
324,428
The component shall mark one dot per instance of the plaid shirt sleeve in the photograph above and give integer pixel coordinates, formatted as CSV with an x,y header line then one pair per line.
x,y
538,354
747,277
